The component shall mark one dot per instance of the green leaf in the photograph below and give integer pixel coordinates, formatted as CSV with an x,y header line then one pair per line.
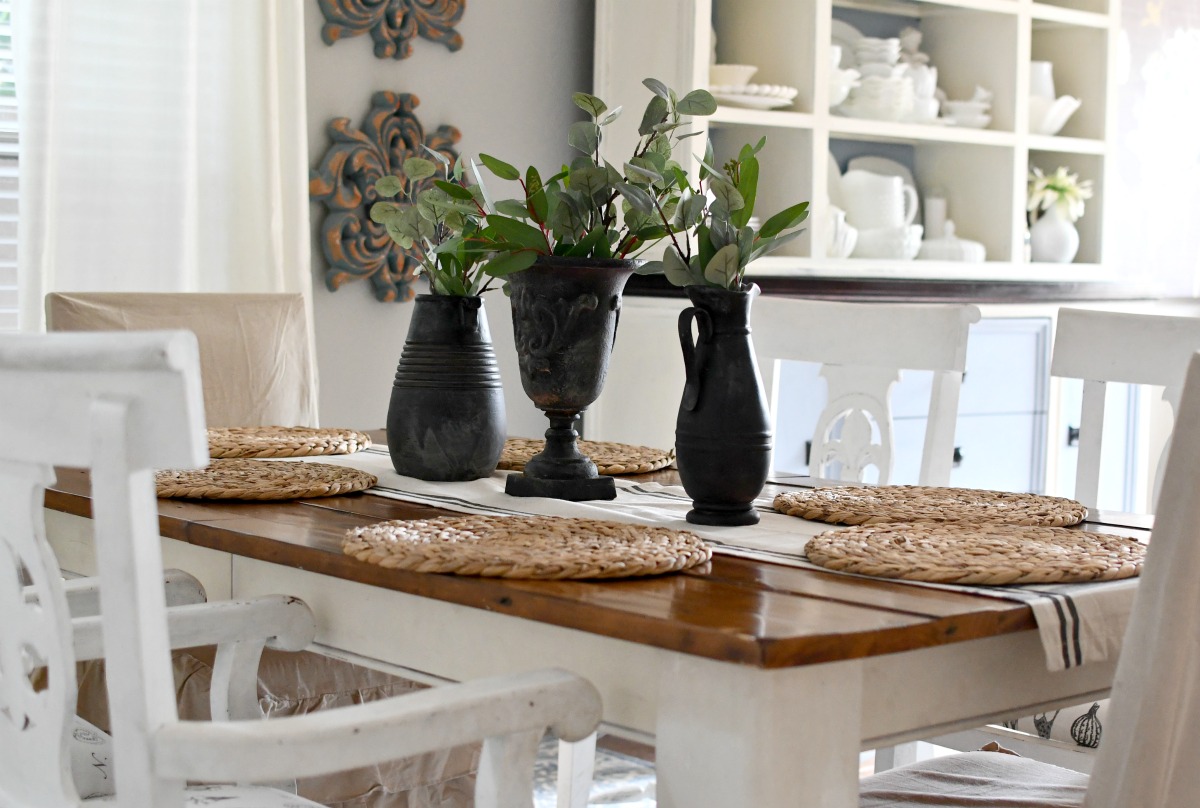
x,y
658,88
437,155
612,116
642,172
511,207
784,220
533,181
593,244
675,269
584,136
704,244
689,211
748,187
381,212
656,113
590,182
388,186
727,194
589,103
509,262
650,267
418,168
722,270
771,245
500,168
641,201
697,102
517,233
453,189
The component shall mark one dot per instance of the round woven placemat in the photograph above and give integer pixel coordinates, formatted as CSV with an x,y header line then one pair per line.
x,y
284,441
261,479
610,458
988,554
526,547
880,504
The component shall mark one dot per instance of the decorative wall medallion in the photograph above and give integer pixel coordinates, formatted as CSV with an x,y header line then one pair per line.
x,y
356,247
393,23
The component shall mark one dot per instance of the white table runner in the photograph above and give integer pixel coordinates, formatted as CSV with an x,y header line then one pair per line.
x,y
1078,623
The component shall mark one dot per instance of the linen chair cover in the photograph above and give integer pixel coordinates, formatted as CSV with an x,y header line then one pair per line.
x,y
1105,346
123,405
254,348
863,347
1148,758
257,371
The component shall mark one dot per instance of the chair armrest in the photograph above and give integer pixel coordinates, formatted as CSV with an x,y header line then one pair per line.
x,y
279,621
365,734
83,594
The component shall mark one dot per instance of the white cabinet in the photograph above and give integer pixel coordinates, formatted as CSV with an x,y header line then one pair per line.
x,y
981,172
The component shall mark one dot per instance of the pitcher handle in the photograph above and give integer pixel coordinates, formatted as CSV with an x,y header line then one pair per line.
x,y
694,353
911,202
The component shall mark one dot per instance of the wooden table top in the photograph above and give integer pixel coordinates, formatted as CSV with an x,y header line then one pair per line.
x,y
731,609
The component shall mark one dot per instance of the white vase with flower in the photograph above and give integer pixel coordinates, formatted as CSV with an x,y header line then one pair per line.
x,y
1058,200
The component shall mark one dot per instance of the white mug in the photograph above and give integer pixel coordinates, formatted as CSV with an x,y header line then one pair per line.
x,y
878,200
1041,79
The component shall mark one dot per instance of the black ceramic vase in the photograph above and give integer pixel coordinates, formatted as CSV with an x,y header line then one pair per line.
x,y
446,418
565,313
723,433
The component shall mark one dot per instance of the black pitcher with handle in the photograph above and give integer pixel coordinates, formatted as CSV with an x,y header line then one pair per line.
x,y
723,433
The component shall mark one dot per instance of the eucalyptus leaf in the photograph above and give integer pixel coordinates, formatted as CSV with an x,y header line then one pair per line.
x,y
518,233
697,102
641,201
649,268
610,117
675,269
511,207
418,168
398,233
589,103
748,187
388,186
453,189
590,182
658,88
766,246
726,194
784,220
500,168
509,262
381,212
642,171
656,113
437,155
584,136
722,270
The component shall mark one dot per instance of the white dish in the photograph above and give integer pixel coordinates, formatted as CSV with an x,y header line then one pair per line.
x,y
973,122
765,90
751,101
731,74
846,35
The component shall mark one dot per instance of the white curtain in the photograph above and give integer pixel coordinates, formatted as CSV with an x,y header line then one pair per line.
x,y
163,147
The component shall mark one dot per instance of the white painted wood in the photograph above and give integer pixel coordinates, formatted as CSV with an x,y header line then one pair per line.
x,y
706,704
1104,346
863,347
576,765
133,402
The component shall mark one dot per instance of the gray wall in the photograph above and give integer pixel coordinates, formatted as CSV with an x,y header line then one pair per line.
x,y
508,90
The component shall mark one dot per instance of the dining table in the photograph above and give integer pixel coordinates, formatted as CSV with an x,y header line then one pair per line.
x,y
758,682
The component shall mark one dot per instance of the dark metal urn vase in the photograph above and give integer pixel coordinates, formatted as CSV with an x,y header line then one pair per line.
x,y
723,433
565,313
446,418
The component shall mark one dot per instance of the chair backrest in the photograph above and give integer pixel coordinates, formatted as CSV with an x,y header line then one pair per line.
x,y
1102,346
254,348
1148,757
121,405
862,348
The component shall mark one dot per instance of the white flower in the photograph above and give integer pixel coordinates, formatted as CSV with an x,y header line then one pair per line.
x,y
1061,189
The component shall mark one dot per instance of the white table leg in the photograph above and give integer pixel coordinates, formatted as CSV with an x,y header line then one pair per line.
x,y
736,735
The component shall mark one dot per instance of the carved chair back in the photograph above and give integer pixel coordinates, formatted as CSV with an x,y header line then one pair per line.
x,y
863,347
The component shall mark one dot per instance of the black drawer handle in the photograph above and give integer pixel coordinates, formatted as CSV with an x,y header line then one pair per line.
x,y
958,456
1072,436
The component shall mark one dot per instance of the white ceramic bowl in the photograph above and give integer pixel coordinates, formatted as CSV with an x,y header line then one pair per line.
x,y
971,121
889,243
735,75
966,109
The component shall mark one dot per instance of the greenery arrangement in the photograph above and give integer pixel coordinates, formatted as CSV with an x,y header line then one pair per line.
x,y
1062,189
438,221
718,212
574,213
590,208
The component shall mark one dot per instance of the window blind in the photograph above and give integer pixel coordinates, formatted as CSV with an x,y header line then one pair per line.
x,y
8,173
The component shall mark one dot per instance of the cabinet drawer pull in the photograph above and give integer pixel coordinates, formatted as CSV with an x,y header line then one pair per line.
x,y
1072,436
958,456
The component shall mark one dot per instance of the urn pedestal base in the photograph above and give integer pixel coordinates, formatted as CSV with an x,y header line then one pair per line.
x,y
560,470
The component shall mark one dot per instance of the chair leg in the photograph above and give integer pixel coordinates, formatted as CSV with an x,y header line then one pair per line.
x,y
576,765
505,778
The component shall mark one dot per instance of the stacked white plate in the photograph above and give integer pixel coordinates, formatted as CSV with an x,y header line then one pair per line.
x,y
881,98
754,96
870,49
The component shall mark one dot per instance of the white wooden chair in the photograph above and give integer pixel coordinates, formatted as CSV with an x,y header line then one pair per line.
x,y
122,405
1147,758
1100,347
863,347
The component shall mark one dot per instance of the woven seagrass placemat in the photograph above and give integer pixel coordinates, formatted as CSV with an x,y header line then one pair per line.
x,y
610,458
284,441
261,479
879,504
988,554
543,547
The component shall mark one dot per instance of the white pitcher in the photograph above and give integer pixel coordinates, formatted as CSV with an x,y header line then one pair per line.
x,y
878,200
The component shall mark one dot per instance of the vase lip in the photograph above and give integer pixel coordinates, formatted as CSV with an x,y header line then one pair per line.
x,y
586,262
749,288
471,300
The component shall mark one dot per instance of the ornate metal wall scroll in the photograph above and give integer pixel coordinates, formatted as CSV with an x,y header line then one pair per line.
x,y
356,247
393,23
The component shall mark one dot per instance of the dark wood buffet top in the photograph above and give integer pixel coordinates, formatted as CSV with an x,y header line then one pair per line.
x,y
731,609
